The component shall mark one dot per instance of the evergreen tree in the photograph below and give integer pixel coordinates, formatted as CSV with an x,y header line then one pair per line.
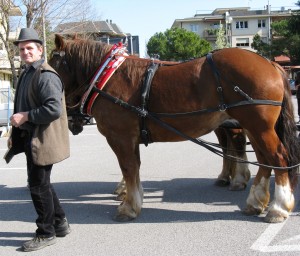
x,y
221,41
177,44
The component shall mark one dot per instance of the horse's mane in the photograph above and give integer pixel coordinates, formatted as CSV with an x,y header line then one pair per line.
x,y
85,55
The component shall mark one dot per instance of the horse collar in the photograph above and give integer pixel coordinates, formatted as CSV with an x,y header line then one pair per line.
x,y
110,64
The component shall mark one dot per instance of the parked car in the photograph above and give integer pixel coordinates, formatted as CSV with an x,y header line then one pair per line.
x,y
6,106
292,86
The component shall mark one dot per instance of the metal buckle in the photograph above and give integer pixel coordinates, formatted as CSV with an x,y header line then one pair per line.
x,y
222,107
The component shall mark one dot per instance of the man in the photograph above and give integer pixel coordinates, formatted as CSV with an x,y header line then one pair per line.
x,y
39,128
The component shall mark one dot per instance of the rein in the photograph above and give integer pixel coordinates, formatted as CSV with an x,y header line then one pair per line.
x,y
153,116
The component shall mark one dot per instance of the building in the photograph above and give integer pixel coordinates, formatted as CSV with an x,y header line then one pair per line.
x,y
6,92
104,31
241,24
5,68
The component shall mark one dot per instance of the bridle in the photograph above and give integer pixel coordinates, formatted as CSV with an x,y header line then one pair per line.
x,y
61,56
76,120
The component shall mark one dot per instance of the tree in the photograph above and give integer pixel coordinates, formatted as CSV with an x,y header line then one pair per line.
x,y
177,44
6,8
38,14
294,22
261,47
221,41
286,39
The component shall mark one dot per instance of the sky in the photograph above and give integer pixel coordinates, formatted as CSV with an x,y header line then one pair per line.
x,y
145,18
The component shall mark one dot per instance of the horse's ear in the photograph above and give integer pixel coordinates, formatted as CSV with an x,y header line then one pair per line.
x,y
59,42
75,36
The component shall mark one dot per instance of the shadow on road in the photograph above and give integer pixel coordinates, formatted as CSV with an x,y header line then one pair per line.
x,y
94,203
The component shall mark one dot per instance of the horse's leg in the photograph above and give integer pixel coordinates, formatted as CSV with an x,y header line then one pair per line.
x,y
233,142
128,155
239,172
283,202
223,179
120,190
259,195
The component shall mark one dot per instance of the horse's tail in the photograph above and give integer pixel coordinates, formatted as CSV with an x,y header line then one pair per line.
x,y
286,130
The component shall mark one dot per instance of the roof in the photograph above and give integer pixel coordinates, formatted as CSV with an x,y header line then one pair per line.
x,y
100,27
282,58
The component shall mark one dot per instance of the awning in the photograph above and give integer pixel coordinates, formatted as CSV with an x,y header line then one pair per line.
x,y
282,58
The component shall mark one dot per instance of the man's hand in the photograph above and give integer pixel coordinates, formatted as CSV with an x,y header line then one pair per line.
x,y
18,119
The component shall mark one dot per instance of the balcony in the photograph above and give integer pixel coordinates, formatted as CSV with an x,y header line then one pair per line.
x,y
210,34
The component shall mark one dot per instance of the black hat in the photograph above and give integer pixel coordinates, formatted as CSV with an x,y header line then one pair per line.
x,y
28,34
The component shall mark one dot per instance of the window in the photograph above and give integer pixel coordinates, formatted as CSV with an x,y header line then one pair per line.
x,y
241,24
242,42
264,39
261,24
215,25
194,28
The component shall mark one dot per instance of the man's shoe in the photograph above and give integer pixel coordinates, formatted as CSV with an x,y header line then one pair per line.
x,y
62,227
38,243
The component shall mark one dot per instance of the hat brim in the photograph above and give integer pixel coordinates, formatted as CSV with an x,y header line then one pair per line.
x,y
27,40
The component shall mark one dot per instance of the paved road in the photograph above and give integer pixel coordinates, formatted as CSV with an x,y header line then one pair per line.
x,y
183,212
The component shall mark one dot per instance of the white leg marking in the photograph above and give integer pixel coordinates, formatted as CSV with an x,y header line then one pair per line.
x,y
283,200
258,194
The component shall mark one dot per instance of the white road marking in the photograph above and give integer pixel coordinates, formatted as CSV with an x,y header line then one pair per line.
x,y
14,168
263,242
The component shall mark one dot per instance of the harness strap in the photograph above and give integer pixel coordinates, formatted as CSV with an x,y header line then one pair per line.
x,y
145,133
153,117
107,68
250,101
216,73
227,106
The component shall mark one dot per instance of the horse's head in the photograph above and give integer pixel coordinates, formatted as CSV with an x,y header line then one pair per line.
x,y
64,68
59,62
76,61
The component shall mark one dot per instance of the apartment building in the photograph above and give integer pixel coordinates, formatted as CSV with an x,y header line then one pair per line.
x,y
241,24
6,94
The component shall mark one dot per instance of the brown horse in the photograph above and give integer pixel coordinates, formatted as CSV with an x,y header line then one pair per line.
x,y
232,84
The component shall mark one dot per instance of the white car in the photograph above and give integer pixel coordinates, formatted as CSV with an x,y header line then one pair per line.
x,y
6,106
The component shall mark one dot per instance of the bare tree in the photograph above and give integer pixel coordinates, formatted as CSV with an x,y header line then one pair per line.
x,y
7,7
41,15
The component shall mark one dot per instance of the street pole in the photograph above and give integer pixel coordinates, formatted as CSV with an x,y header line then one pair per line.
x,y
44,30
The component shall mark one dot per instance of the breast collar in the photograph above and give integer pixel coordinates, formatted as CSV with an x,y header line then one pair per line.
x,y
110,64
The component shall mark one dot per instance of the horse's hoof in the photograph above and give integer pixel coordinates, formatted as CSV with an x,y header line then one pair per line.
x,y
250,211
123,218
222,183
274,217
237,187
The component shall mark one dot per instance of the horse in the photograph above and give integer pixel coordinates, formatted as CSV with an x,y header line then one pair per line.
x,y
186,101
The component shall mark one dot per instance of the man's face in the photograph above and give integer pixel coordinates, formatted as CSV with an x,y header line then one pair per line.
x,y
30,52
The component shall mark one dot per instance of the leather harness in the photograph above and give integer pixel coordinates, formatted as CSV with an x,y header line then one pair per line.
x,y
143,112
145,133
